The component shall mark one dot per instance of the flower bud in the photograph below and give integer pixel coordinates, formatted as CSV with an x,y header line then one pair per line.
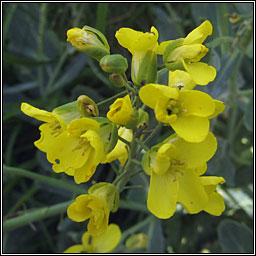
x,y
89,40
114,63
136,242
117,80
144,68
108,133
122,113
87,107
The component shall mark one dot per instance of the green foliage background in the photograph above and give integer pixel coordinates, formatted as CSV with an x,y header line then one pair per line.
x,y
41,68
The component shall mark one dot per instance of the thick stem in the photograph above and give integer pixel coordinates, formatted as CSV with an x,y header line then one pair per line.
x,y
35,215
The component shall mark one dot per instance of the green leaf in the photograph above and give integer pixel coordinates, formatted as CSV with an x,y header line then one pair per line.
x,y
234,237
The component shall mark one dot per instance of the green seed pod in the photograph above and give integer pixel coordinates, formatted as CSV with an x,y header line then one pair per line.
x,y
114,63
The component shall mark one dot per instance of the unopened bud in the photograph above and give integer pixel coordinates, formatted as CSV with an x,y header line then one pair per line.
x,y
114,63
117,80
89,40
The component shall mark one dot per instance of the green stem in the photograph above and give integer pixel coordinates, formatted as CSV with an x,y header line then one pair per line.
x,y
111,98
152,135
44,179
142,144
35,215
136,161
124,140
130,88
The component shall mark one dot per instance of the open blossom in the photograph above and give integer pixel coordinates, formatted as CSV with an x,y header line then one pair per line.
x,y
175,168
78,150
102,243
186,111
189,52
95,206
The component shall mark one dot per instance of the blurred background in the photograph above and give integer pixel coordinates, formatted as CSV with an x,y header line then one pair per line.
x,y
42,69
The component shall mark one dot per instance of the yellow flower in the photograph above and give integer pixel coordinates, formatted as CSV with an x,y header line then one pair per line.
x,y
88,41
175,168
122,113
54,125
78,150
96,206
143,48
103,243
120,151
186,111
188,52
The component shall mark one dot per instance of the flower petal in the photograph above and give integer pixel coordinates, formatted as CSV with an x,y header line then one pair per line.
x,y
219,108
108,240
37,113
210,182
77,248
191,193
199,34
197,103
150,93
181,79
47,139
162,196
136,41
215,205
78,126
195,155
78,211
191,128
163,158
161,48
64,152
200,72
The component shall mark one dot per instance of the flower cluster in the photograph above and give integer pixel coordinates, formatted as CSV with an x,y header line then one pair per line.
x,y
76,139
